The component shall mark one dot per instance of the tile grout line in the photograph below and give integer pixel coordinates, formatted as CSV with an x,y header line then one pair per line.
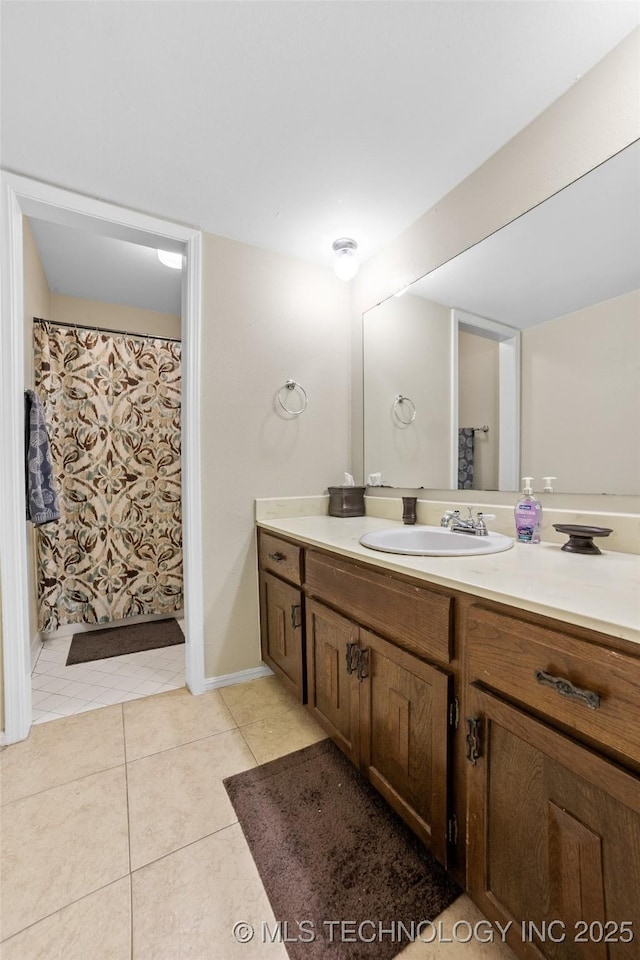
x,y
65,783
126,783
249,746
47,916
207,736
186,846
176,746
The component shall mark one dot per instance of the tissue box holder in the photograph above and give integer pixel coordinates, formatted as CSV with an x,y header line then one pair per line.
x,y
346,501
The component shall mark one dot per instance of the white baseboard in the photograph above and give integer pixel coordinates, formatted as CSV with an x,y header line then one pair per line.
x,y
242,676
36,647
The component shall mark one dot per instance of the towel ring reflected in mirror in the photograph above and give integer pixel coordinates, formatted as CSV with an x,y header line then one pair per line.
x,y
292,385
398,403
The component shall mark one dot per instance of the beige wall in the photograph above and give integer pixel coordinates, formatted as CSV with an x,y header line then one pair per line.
x,y
111,316
478,403
37,298
405,339
581,373
596,118
266,318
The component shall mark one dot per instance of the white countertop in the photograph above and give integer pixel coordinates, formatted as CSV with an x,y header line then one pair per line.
x,y
599,592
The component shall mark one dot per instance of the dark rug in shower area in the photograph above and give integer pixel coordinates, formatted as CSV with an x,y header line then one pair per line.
x,y
329,848
116,641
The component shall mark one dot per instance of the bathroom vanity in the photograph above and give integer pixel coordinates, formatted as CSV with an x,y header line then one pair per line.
x,y
501,722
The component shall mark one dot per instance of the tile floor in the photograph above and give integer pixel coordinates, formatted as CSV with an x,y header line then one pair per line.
x,y
119,841
60,691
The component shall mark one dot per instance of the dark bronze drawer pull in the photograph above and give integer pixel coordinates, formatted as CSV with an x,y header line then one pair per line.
x,y
352,657
295,615
277,556
567,689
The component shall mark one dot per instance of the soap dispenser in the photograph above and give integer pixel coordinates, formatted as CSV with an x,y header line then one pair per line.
x,y
528,515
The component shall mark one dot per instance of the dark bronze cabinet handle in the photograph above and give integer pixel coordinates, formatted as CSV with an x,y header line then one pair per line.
x,y
352,656
363,662
277,556
473,740
295,615
567,689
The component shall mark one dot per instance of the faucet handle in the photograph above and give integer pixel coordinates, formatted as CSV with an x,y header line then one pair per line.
x,y
480,526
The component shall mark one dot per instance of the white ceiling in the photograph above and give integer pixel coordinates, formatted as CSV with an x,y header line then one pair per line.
x,y
81,264
285,124
578,248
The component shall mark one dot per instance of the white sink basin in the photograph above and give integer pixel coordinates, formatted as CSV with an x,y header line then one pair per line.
x,y
425,541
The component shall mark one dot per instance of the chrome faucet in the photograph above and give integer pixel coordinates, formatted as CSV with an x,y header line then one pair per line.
x,y
474,525
448,516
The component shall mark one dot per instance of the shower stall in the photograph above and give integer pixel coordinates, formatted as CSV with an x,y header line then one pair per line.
x,y
113,408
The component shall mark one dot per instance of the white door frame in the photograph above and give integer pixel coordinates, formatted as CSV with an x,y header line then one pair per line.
x,y
22,196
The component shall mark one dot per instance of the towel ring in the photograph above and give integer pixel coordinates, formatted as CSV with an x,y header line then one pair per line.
x,y
291,385
400,399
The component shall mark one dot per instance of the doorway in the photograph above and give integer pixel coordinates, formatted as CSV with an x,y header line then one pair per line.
x,y
24,197
508,395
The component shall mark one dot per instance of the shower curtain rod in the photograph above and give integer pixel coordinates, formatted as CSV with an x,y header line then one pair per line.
x,y
125,333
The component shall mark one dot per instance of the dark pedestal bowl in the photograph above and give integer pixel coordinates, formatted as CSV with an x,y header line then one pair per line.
x,y
581,537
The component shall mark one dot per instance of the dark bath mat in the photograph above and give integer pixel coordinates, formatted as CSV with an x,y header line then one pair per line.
x,y
116,641
329,848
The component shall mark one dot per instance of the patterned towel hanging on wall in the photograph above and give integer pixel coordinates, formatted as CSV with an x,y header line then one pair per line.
x,y
41,493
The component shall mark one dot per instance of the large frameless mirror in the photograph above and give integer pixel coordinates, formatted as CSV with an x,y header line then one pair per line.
x,y
534,334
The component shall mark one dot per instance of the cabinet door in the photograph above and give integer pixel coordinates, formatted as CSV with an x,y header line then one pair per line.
x,y
332,681
281,632
404,736
554,835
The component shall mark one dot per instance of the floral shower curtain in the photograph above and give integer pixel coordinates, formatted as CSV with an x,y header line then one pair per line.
x,y
112,405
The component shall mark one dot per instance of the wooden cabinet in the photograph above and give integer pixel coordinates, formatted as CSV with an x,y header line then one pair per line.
x,y
280,557
587,688
553,793
333,687
281,633
281,613
404,739
388,711
543,771
554,839
415,617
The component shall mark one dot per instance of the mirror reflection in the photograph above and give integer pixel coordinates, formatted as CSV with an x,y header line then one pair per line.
x,y
558,287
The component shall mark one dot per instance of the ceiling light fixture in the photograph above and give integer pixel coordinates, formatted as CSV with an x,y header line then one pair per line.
x,y
346,263
173,260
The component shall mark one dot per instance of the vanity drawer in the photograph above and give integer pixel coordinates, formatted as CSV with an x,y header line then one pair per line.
x,y
589,688
417,619
280,557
